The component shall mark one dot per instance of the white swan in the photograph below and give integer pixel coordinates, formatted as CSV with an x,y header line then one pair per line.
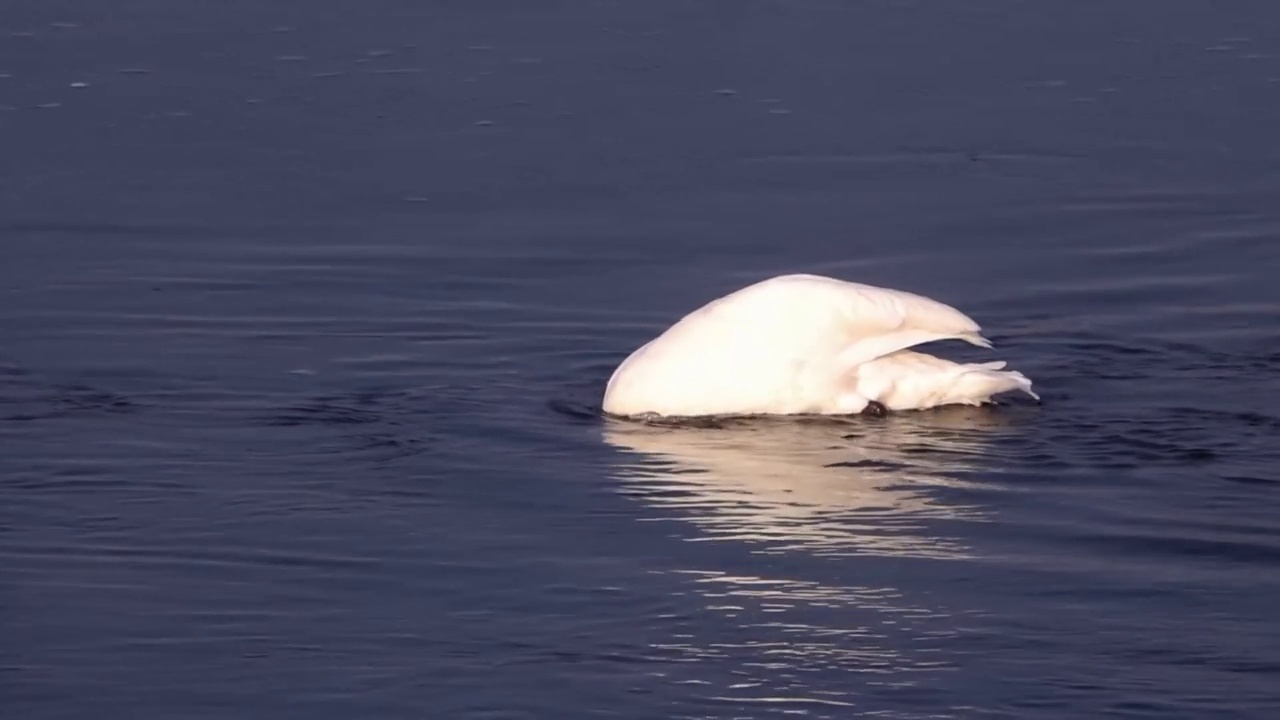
x,y
805,344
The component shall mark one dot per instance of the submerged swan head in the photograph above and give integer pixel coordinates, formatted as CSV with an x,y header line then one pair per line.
x,y
806,344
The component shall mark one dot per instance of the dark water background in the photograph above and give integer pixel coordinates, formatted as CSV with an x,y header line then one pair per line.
x,y
304,307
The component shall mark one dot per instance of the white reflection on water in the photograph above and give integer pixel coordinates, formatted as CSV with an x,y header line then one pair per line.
x,y
802,640
817,649
825,486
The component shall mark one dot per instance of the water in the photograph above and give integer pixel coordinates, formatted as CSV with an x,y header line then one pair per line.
x,y
307,308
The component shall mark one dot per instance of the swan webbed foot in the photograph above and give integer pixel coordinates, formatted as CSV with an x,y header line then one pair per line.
x,y
875,408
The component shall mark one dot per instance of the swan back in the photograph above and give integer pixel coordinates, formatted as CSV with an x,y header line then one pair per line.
x,y
782,345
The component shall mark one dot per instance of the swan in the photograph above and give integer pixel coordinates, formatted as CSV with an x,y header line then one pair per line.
x,y
806,345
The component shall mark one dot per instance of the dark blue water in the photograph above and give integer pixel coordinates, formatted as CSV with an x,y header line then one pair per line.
x,y
305,308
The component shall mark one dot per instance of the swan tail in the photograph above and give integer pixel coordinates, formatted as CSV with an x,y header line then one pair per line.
x,y
979,382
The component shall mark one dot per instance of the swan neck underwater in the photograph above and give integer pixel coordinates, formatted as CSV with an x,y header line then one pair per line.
x,y
807,345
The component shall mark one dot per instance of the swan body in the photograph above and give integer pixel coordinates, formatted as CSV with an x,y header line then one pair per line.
x,y
806,344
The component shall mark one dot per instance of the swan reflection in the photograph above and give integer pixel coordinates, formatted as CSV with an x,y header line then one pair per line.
x,y
827,486
791,632
799,637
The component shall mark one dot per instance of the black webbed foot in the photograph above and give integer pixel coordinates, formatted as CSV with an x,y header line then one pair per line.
x,y
875,409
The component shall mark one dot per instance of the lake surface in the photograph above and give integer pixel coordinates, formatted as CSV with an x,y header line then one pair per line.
x,y
306,309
